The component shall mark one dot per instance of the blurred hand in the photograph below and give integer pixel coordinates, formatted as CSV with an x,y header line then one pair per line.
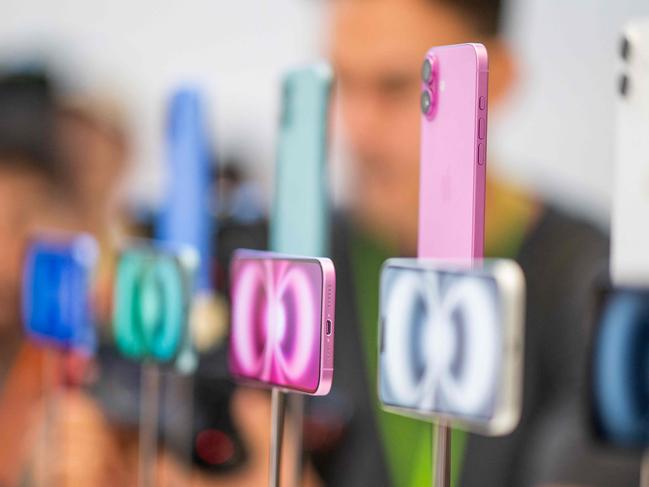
x,y
78,447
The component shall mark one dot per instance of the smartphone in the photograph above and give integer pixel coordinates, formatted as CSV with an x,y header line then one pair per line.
x,y
453,152
152,301
56,292
619,392
451,342
629,239
300,216
185,216
282,324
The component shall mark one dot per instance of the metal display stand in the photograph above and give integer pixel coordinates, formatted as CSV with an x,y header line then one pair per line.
x,y
296,418
441,455
277,413
644,469
149,414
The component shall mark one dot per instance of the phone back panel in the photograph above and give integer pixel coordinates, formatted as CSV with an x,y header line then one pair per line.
x,y
629,234
300,216
453,155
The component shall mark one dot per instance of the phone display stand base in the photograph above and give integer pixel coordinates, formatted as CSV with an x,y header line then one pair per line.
x,y
148,433
441,455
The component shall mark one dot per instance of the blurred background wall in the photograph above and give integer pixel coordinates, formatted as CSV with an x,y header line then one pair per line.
x,y
137,52
557,137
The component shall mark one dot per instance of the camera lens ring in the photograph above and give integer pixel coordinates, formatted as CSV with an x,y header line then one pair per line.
x,y
623,85
427,71
625,48
426,102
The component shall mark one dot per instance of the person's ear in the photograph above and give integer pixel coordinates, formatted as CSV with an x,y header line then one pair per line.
x,y
503,70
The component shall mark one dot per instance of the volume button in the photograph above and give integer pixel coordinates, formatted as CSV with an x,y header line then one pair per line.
x,y
481,154
481,128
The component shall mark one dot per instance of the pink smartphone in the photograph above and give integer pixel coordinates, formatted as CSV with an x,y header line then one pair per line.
x,y
282,326
453,152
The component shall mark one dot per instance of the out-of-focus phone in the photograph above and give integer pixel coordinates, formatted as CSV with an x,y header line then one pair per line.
x,y
282,326
56,293
153,291
619,392
300,212
451,342
629,237
453,152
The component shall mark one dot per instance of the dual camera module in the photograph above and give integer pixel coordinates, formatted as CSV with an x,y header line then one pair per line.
x,y
625,53
429,76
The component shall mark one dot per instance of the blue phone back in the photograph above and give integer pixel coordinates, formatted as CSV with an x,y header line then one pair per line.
x,y
185,217
300,216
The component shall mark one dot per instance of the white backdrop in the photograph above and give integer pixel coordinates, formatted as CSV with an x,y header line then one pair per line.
x,y
234,50
556,135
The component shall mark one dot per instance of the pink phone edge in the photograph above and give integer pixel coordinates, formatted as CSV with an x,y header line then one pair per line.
x,y
479,192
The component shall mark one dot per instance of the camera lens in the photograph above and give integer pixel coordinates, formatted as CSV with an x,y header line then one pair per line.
x,y
625,48
427,71
623,85
426,102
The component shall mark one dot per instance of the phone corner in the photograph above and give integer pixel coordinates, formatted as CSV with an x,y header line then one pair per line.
x,y
481,55
325,383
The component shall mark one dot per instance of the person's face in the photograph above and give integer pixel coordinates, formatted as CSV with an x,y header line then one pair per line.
x,y
377,47
96,158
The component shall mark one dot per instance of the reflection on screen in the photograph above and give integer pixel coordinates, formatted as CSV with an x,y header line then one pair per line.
x,y
276,319
441,342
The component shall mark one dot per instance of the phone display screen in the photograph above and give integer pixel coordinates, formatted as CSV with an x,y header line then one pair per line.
x,y
620,361
276,321
441,346
57,278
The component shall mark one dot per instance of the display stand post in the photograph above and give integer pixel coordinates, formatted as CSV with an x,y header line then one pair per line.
x,y
149,414
52,373
644,470
441,455
277,412
296,418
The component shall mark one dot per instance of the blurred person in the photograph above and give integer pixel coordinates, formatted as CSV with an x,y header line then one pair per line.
x,y
376,48
27,172
30,199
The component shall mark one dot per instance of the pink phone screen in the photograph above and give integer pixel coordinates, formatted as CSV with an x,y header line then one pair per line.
x,y
276,321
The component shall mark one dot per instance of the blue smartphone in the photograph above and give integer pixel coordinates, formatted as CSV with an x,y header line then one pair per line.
x,y
619,392
300,216
56,302
185,217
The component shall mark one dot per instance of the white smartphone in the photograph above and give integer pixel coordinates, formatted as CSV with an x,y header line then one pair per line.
x,y
629,236
451,342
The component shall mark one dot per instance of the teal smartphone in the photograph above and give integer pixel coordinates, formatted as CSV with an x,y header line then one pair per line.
x,y
300,216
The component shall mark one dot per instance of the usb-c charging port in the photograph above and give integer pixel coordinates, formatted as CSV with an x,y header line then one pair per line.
x,y
328,327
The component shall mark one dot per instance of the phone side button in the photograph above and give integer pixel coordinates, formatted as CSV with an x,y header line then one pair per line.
x,y
481,128
481,154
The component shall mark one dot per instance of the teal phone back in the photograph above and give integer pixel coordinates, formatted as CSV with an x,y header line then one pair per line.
x,y
300,215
